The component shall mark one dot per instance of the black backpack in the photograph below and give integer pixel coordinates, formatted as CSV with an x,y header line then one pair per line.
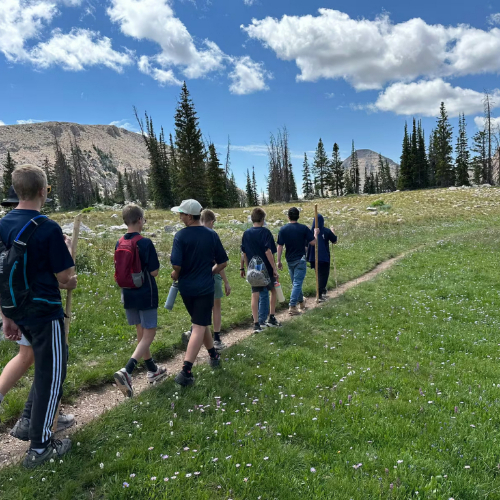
x,y
15,293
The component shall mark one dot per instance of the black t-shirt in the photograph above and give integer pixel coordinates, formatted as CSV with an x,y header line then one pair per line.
x,y
295,237
256,241
195,249
47,255
145,297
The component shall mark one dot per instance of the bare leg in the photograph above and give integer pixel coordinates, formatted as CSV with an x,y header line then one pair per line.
x,y
217,314
273,300
16,368
147,336
198,337
255,307
207,339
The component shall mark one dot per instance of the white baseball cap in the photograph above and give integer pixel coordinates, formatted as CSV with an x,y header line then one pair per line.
x,y
190,207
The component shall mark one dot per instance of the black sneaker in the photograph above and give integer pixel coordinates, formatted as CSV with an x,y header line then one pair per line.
x,y
322,298
215,362
22,428
257,328
56,448
272,322
184,379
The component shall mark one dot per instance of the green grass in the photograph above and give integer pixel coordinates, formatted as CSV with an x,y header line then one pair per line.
x,y
399,375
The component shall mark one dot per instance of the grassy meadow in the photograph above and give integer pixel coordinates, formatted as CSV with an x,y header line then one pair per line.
x,y
390,391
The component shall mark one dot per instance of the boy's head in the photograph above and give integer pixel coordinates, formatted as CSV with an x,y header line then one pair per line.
x,y
133,215
208,218
30,183
258,216
293,214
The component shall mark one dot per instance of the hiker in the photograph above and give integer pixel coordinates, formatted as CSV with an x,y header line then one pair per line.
x,y
194,251
295,237
324,237
263,306
136,267
41,317
258,249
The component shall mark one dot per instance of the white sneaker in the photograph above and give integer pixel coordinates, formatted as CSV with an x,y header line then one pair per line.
x,y
160,373
219,345
124,382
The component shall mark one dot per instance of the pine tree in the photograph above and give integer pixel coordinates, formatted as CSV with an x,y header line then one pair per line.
x,y
366,183
255,194
8,168
307,185
119,195
377,183
421,165
233,193
354,170
489,137
462,159
405,172
190,151
320,170
264,200
293,186
337,170
444,163
174,172
249,191
129,186
349,186
64,180
391,182
432,159
216,180
480,160
97,193
413,159
82,182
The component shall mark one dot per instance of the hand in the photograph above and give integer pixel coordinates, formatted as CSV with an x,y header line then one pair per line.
x,y
316,232
275,273
242,273
175,275
72,283
280,266
332,229
227,287
10,330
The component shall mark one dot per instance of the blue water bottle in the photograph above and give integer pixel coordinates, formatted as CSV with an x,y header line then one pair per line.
x,y
172,295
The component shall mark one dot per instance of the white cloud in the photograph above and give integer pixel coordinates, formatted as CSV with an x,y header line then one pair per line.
x,y
248,76
71,3
2,124
249,2
28,122
161,76
495,123
78,49
126,125
256,149
424,98
494,19
371,53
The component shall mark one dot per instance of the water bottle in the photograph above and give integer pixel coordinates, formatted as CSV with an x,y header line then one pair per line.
x,y
172,294
279,292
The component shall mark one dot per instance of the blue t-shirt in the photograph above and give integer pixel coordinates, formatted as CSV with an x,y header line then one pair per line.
x,y
255,242
295,237
145,297
195,249
47,255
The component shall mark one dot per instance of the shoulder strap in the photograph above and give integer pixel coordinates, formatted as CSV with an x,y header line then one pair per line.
x,y
29,228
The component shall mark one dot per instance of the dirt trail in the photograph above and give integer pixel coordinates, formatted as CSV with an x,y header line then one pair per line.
x,y
94,402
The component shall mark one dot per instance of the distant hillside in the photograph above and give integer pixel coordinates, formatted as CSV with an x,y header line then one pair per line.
x,y
108,149
369,159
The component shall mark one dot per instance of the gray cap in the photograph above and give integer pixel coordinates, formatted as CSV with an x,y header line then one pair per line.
x,y
190,207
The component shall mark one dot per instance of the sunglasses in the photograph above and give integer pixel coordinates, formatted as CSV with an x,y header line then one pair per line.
x,y
49,189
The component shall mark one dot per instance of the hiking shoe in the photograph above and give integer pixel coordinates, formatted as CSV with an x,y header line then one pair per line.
x,y
56,448
182,378
263,325
272,322
22,428
294,311
160,373
185,338
214,362
219,345
124,382
257,328
302,306
322,298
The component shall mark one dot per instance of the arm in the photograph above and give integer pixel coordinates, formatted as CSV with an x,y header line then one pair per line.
x,y
176,272
280,253
270,258
10,330
154,273
227,286
243,263
218,268
71,284
65,276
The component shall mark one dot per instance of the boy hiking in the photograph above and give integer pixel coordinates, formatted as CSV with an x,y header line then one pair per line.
x,y
34,261
258,249
295,237
324,236
197,255
136,266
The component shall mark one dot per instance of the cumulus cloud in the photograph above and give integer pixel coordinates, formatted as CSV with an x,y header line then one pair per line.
x,y
424,98
495,123
160,75
2,124
248,76
249,3
494,19
256,149
370,53
125,124
28,122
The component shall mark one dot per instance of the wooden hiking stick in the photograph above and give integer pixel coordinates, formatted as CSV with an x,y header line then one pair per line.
x,y
69,299
316,253
334,268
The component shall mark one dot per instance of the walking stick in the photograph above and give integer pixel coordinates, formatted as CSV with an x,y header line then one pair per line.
x,y
316,252
69,299
334,268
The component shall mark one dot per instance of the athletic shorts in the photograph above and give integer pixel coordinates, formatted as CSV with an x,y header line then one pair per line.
x,y
24,341
258,289
199,308
147,318
219,292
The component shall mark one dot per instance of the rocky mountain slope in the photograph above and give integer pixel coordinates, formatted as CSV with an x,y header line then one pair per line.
x,y
369,159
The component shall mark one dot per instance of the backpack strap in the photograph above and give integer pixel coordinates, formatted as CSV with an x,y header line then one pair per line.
x,y
29,228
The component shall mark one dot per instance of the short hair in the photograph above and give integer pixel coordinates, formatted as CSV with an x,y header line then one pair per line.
x,y
294,214
258,215
28,180
131,214
207,216
196,217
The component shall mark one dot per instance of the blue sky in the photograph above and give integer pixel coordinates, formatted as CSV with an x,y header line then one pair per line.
x,y
339,70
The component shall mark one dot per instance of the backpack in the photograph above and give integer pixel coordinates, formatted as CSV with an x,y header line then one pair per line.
x,y
128,269
257,274
15,293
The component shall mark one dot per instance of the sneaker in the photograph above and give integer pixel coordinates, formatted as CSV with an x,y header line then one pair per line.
x,y
22,428
219,345
185,338
263,325
160,373
183,379
302,306
272,322
215,362
322,298
257,328
124,382
294,311
56,447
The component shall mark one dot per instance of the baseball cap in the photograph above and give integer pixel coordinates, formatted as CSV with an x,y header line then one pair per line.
x,y
190,207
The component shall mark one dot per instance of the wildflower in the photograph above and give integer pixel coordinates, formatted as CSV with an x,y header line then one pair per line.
x,y
165,479
214,459
357,466
164,457
313,470
196,473
249,465
153,478
228,457
132,475
467,467
186,448
118,454
237,465
101,465
400,461
151,448
125,485
189,475
266,458
349,397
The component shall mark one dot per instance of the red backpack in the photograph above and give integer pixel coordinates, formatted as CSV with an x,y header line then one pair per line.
x,y
128,269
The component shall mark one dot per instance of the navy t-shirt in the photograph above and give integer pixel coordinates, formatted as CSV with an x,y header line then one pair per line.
x,y
324,239
295,237
255,242
47,255
145,297
195,249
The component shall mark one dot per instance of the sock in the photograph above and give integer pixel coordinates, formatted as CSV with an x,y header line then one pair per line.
x,y
216,338
150,365
39,450
187,368
212,352
130,366
1,397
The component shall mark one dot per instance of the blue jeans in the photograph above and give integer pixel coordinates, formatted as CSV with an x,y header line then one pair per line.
x,y
264,307
297,272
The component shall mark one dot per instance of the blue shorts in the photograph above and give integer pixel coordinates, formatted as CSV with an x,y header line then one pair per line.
x,y
147,318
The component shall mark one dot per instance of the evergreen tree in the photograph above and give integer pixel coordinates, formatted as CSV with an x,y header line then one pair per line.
x,y
307,185
233,193
349,186
432,159
480,160
119,196
391,182
97,194
354,170
49,172
421,165
405,171
372,186
366,183
129,186
320,170
216,180
377,183
64,180
8,168
462,159
82,182
249,191
293,186
413,160
264,200
443,148
174,172
254,189
337,172
489,135
190,151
